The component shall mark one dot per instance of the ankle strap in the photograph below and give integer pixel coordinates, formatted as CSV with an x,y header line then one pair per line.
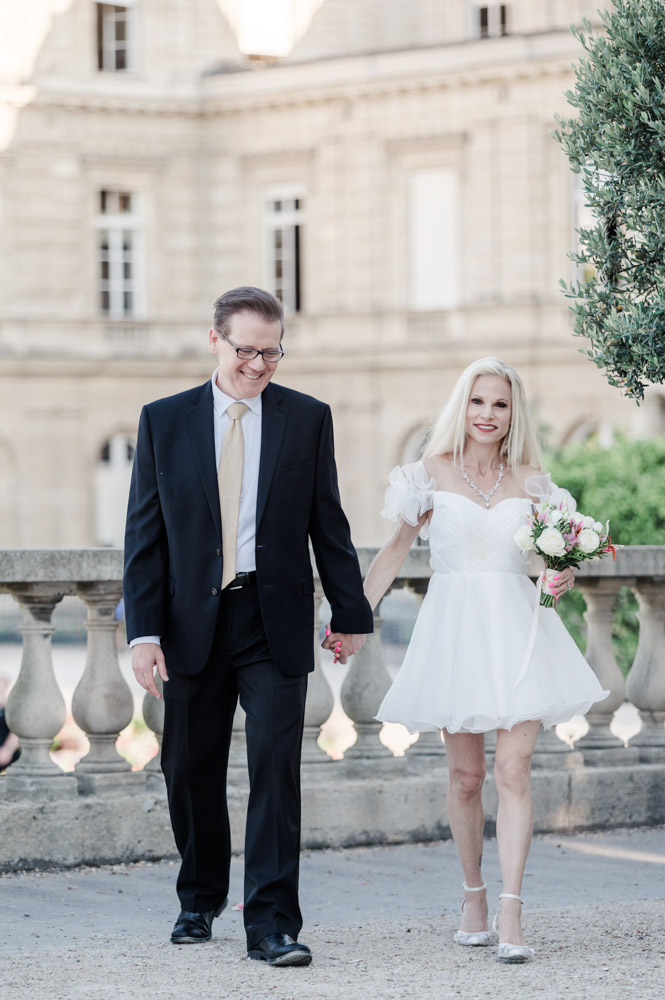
x,y
473,888
511,895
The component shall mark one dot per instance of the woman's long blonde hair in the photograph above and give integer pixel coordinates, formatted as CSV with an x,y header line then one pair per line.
x,y
448,435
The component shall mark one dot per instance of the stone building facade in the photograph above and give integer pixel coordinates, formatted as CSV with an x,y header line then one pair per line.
x,y
394,179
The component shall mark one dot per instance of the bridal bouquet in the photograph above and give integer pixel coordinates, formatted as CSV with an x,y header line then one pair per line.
x,y
563,538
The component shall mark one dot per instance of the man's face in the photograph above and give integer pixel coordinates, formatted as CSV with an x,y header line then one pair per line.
x,y
244,379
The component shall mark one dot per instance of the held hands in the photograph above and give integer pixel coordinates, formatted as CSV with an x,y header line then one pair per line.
x,y
145,657
343,644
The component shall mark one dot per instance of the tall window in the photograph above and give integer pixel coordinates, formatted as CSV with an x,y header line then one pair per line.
x,y
491,20
113,474
284,217
433,239
115,36
120,287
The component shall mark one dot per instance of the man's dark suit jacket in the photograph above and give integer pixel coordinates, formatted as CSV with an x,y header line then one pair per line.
x,y
173,547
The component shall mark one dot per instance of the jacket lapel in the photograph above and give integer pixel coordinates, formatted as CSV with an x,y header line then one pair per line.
x,y
201,429
273,423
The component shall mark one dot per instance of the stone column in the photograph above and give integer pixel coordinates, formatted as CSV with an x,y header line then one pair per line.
x,y
551,752
600,746
320,699
102,704
153,716
646,681
36,709
364,687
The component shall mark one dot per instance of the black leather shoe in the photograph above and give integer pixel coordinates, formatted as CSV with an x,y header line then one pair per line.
x,y
192,928
280,949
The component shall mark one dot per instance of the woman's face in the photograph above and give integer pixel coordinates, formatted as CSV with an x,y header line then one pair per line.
x,y
489,409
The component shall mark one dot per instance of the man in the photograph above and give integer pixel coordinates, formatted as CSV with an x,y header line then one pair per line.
x,y
231,482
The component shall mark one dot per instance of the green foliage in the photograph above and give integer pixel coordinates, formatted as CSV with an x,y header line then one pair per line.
x,y
625,484
617,142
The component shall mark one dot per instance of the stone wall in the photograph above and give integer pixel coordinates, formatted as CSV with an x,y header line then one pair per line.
x,y
103,812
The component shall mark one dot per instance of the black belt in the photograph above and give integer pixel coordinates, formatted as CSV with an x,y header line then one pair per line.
x,y
242,580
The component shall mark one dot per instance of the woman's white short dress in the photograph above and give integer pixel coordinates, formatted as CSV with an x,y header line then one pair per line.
x,y
468,644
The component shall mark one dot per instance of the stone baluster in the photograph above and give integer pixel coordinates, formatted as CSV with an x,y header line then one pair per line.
x,y
36,709
364,687
320,699
102,704
153,716
554,752
600,746
646,680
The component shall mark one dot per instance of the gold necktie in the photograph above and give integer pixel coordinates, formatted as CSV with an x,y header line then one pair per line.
x,y
229,480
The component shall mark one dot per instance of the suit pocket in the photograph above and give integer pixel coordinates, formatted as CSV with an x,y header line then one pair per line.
x,y
292,471
307,584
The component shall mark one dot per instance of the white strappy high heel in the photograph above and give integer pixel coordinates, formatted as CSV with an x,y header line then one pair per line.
x,y
511,953
473,939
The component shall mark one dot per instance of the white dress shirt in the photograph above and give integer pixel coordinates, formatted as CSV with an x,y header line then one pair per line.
x,y
251,433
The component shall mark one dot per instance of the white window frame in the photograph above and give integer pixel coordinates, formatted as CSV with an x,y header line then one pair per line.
x,y
287,286
108,44
116,226
496,28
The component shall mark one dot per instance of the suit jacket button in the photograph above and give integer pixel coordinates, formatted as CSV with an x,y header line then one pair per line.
x,y
218,551
214,592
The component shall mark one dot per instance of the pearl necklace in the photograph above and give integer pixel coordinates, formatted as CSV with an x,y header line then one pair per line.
x,y
486,496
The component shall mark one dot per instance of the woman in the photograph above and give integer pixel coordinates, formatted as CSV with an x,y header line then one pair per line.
x,y
478,477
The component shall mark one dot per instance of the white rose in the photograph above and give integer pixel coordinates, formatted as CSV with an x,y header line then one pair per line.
x,y
523,539
588,540
588,522
597,526
556,516
551,542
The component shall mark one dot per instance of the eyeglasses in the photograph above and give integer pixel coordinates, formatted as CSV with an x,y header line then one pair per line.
x,y
271,357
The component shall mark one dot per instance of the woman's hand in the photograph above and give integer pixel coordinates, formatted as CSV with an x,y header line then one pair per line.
x,y
563,582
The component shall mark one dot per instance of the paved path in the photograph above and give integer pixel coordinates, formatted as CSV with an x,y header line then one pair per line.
x,y
379,920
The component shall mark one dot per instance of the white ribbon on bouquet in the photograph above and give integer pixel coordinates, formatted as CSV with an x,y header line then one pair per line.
x,y
544,577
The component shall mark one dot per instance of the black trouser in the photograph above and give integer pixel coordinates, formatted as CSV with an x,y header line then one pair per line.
x,y
199,714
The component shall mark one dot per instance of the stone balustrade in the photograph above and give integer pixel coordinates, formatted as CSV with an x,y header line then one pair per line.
x,y
102,703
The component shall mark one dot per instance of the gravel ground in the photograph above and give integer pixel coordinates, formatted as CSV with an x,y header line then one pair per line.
x,y
379,921
588,952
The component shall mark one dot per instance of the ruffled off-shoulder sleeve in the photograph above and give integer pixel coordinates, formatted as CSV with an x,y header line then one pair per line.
x,y
542,490
410,494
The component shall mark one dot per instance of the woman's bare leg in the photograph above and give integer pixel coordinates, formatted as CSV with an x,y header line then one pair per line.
x,y
466,769
514,821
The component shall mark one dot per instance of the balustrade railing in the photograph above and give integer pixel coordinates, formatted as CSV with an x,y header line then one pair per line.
x,y
102,703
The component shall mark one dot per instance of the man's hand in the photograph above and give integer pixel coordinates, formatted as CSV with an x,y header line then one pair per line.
x,y
145,657
343,644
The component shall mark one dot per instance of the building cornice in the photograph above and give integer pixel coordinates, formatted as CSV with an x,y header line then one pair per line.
x,y
287,85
